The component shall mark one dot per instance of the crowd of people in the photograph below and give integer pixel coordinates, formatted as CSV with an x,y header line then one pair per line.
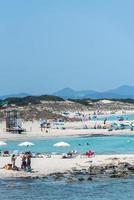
x,y
25,162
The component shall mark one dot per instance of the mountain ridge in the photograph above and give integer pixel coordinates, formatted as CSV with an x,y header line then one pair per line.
x,y
121,92
124,91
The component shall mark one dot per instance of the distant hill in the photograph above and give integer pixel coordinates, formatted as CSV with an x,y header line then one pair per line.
x,y
123,92
19,95
69,93
23,101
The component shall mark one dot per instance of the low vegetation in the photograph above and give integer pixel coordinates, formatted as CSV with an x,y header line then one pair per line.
x,y
34,100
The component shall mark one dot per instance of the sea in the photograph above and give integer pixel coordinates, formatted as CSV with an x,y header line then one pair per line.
x,y
114,117
101,145
113,189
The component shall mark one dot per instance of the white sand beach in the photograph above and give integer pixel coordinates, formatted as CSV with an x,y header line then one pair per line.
x,y
33,131
59,133
56,164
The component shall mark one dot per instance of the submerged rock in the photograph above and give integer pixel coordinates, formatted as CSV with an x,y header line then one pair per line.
x,y
89,178
120,174
81,179
71,179
57,176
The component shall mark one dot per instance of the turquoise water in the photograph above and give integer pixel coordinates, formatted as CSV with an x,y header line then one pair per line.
x,y
129,117
108,189
101,145
48,190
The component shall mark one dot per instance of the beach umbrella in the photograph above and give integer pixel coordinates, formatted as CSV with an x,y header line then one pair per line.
x,y
61,144
26,144
3,143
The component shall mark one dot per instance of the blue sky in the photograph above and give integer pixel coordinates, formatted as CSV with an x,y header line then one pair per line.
x,y
46,45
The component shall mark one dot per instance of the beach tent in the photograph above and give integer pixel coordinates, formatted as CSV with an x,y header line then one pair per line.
x,y
26,144
61,144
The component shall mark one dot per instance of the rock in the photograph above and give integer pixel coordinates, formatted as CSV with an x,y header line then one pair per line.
x,y
77,172
28,177
119,175
81,179
108,172
129,166
35,177
89,178
44,177
71,180
57,176
94,170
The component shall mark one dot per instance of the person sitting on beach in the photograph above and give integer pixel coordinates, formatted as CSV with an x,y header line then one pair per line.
x,y
70,154
90,153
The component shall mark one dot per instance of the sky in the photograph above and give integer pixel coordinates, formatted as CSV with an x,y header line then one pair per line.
x,y
47,45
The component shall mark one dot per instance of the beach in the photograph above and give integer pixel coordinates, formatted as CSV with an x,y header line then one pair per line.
x,y
33,130
44,167
60,133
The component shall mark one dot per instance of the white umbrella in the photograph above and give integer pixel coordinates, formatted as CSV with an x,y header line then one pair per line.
x,y
61,144
26,144
3,143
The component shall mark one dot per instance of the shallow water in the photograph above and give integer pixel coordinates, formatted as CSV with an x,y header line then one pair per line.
x,y
101,145
115,117
47,190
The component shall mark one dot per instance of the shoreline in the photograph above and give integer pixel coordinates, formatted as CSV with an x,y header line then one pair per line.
x,y
64,133
73,129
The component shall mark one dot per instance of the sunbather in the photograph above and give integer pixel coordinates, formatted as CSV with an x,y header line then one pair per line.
x,y
90,153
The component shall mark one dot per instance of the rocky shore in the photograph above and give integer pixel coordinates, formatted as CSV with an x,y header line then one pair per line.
x,y
122,170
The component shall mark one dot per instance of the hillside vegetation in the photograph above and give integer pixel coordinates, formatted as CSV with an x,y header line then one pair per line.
x,y
24,101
